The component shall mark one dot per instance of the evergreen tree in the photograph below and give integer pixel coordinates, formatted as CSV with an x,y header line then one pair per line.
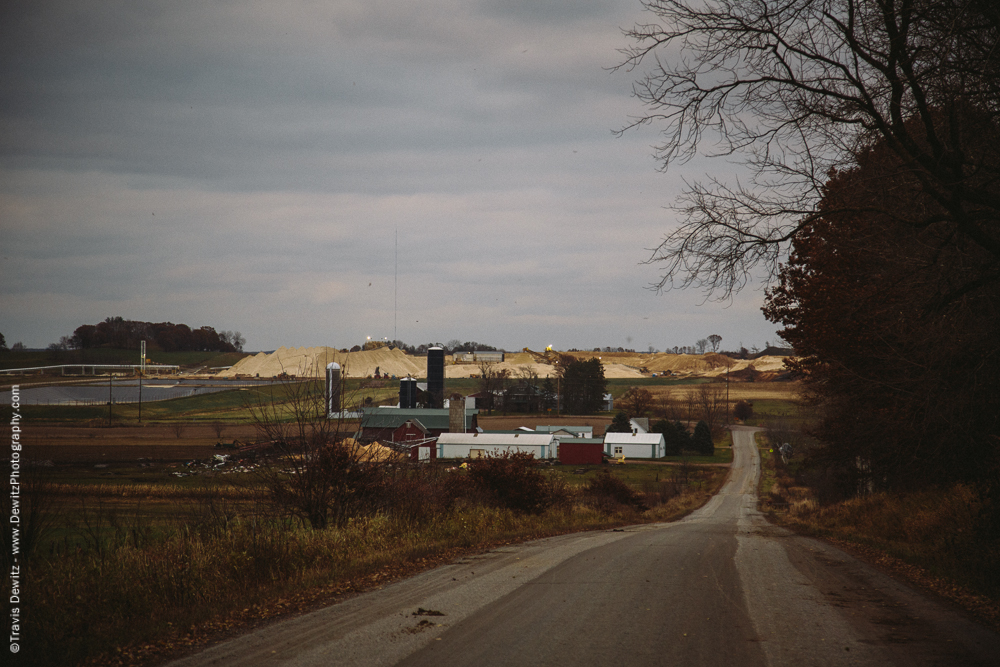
x,y
584,386
619,424
669,433
702,439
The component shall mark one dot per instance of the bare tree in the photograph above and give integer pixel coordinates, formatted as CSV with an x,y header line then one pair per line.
x,y
711,405
315,471
636,402
492,383
701,345
715,339
794,91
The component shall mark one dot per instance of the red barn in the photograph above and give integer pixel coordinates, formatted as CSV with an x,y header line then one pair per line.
x,y
581,451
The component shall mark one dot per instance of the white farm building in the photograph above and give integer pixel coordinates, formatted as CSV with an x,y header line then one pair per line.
x,y
635,445
476,445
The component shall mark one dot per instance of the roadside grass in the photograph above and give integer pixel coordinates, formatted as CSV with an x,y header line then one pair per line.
x,y
634,474
721,455
131,571
768,474
941,539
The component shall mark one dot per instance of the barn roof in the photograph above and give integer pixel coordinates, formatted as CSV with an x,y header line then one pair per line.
x,y
429,418
633,438
495,439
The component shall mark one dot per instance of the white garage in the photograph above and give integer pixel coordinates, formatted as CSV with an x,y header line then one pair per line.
x,y
476,445
635,445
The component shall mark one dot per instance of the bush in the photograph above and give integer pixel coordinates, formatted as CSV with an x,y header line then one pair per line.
x,y
605,491
510,480
743,410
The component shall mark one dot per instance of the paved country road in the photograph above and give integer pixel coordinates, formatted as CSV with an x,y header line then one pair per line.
x,y
722,587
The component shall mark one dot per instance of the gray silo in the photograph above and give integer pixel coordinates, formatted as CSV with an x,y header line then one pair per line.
x,y
333,407
435,376
407,393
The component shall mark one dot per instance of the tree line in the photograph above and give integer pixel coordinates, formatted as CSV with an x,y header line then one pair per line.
x,y
578,388
119,333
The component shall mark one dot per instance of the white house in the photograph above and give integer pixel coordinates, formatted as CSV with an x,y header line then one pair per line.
x,y
476,445
639,424
635,445
572,431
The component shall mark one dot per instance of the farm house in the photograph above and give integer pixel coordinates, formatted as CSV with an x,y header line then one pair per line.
x,y
475,445
562,432
635,445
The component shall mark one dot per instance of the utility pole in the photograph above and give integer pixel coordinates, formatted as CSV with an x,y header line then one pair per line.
x,y
728,366
142,370
111,382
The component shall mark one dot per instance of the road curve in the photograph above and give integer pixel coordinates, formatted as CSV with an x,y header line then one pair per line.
x,y
721,587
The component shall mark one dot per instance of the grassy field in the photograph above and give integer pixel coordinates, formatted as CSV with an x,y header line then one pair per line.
x,y
138,560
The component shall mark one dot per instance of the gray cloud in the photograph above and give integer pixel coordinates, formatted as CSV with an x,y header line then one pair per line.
x,y
250,166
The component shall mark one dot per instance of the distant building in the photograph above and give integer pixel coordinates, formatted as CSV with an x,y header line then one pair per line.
x,y
477,445
635,445
492,357
639,424
574,431
382,423
581,451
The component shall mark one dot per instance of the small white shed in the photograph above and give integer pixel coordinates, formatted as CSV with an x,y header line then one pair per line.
x,y
635,445
476,445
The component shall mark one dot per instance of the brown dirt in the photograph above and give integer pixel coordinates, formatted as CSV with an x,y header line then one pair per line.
x,y
77,444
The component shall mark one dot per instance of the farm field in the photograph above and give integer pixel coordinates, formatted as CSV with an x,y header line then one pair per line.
x,y
137,518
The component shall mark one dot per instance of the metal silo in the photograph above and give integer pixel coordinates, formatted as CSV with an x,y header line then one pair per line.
x,y
333,407
435,376
407,393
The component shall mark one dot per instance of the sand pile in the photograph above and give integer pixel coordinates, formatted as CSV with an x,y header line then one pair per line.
x,y
762,364
312,362
515,369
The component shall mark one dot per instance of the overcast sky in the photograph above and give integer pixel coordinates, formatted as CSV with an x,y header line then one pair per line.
x,y
250,166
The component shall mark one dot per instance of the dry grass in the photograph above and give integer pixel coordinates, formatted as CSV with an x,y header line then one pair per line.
x,y
750,391
939,538
126,591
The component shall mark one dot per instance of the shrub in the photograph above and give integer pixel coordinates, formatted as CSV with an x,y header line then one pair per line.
x,y
510,480
743,410
605,491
